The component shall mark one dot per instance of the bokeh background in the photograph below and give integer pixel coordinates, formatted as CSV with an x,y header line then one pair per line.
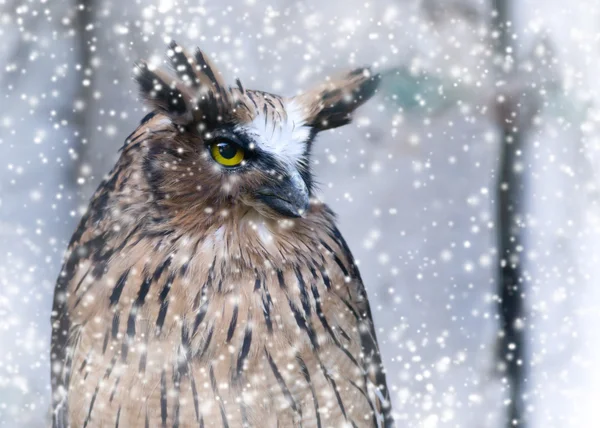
x,y
467,188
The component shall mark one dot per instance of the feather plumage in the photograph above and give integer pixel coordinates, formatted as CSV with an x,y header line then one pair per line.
x,y
186,300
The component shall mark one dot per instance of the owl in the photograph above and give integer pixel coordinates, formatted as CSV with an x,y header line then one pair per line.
x,y
206,286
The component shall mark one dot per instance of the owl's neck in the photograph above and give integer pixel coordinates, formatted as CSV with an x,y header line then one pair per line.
x,y
245,239
138,255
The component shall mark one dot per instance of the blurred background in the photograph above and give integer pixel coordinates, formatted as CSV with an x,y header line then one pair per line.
x,y
467,188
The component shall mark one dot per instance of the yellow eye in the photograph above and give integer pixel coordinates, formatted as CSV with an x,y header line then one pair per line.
x,y
227,153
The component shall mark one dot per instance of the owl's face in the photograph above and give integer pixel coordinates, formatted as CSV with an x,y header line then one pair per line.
x,y
218,148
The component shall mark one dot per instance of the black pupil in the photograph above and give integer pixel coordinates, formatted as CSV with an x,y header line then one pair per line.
x,y
227,150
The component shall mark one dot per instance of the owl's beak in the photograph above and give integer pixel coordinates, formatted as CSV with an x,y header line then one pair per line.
x,y
288,197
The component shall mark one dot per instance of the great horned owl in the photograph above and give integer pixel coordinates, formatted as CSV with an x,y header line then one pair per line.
x,y
205,286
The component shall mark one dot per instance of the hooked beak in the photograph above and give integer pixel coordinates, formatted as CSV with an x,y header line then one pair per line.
x,y
288,197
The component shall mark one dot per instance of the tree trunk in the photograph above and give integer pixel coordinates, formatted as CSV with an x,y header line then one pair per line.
x,y
509,225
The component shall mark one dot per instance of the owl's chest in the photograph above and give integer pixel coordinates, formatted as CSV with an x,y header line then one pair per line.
x,y
275,345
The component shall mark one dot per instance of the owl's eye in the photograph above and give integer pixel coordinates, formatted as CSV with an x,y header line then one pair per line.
x,y
227,153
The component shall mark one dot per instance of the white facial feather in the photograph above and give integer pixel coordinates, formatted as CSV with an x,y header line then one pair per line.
x,y
285,139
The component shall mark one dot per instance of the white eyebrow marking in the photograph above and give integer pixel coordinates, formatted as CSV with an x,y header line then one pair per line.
x,y
285,139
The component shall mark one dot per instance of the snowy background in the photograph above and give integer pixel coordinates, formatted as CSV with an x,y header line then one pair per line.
x,y
413,180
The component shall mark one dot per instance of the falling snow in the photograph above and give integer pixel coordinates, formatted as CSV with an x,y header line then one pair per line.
x,y
413,180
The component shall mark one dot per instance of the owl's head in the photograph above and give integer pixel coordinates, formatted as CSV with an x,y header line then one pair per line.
x,y
218,147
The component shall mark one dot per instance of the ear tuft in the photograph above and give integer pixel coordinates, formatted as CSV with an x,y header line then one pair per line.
x,y
163,93
182,64
331,104
196,93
